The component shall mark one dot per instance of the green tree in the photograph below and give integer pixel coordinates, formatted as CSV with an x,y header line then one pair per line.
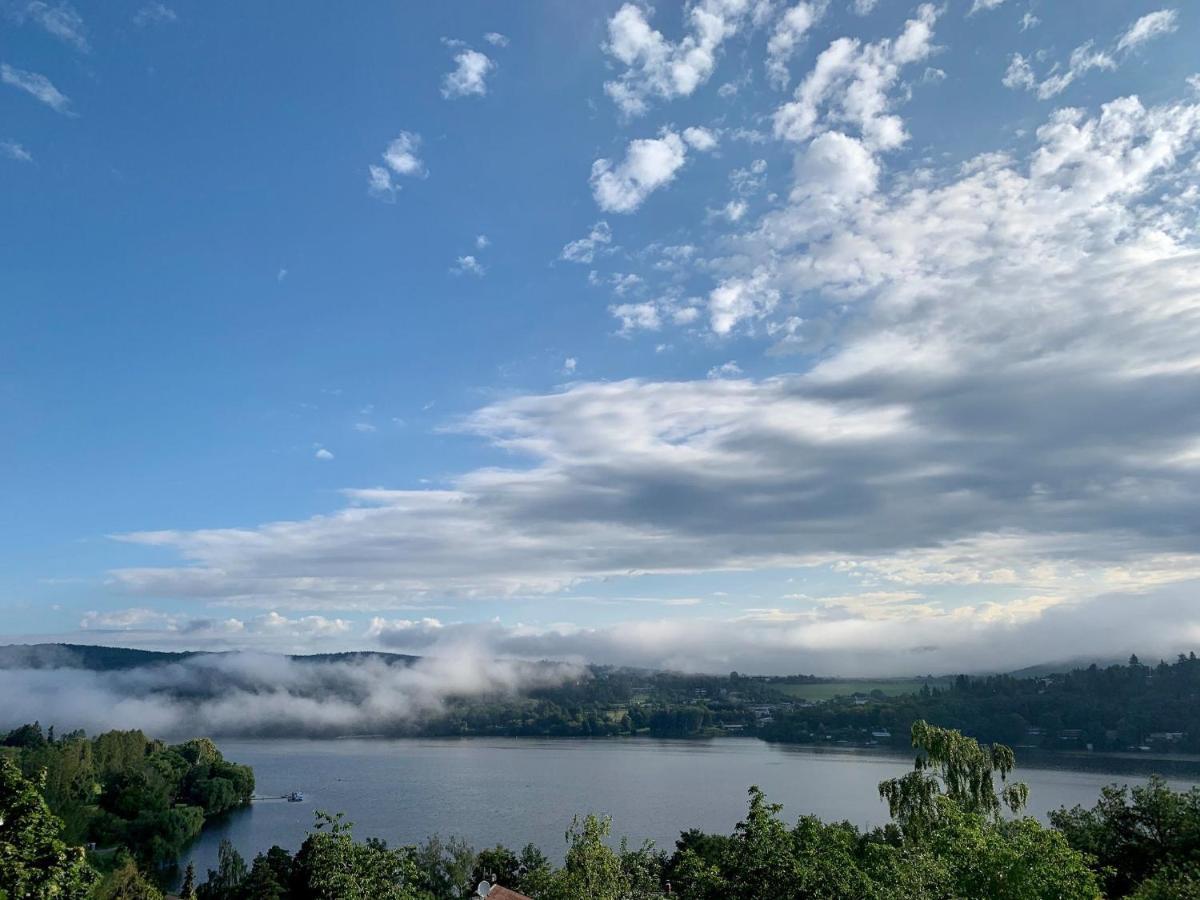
x,y
125,882
1132,834
224,882
1008,860
188,890
35,862
331,866
953,765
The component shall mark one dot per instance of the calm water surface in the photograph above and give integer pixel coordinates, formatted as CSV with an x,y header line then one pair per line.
x,y
516,791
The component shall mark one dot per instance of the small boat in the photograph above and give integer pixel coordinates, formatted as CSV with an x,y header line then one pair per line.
x,y
294,797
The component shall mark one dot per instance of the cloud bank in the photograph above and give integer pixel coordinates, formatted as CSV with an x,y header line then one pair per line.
x,y
245,694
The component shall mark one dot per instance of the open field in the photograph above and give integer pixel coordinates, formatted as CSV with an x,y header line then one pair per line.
x,y
827,690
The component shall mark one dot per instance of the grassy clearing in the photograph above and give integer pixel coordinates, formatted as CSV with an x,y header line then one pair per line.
x,y
827,690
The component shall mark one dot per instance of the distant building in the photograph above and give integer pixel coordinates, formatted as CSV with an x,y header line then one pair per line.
x,y
503,893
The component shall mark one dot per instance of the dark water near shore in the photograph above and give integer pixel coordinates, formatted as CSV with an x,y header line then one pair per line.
x,y
516,791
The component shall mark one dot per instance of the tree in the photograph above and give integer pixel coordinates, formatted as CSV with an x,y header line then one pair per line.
x,y
331,866
188,891
35,862
1134,834
225,881
1008,860
125,882
953,765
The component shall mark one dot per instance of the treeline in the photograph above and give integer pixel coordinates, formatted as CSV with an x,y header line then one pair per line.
x,y
614,701
122,790
956,831
1116,708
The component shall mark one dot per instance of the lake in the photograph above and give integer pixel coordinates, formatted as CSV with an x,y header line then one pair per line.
x,y
520,790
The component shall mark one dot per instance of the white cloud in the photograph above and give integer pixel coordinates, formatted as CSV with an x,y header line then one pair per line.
x,y
58,19
468,265
789,31
836,167
37,86
401,157
496,39
154,14
701,139
1019,75
584,250
260,694
365,428
1148,27
734,210
849,85
569,365
739,299
469,77
864,7
726,370
13,150
401,154
658,67
323,454
637,316
1085,58
983,6
1029,20
380,184
649,164
482,242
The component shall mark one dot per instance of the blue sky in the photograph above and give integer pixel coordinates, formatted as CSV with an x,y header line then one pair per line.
x,y
737,334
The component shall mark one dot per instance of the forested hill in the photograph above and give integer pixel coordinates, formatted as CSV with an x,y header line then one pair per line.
x,y
109,659
1126,707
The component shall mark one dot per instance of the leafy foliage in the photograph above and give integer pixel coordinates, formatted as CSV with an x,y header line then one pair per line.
x,y
35,862
121,789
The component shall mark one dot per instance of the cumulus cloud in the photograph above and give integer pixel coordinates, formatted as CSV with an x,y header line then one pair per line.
x,y
702,139
469,76
658,67
496,39
993,434
401,157
789,31
236,694
468,265
850,83
649,164
37,86
584,249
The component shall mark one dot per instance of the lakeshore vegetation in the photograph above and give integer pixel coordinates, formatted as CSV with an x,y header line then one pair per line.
x,y
957,831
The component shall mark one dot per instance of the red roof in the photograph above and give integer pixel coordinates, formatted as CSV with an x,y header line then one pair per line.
x,y
501,893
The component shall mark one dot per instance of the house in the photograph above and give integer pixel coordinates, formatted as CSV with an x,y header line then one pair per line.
x,y
497,893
